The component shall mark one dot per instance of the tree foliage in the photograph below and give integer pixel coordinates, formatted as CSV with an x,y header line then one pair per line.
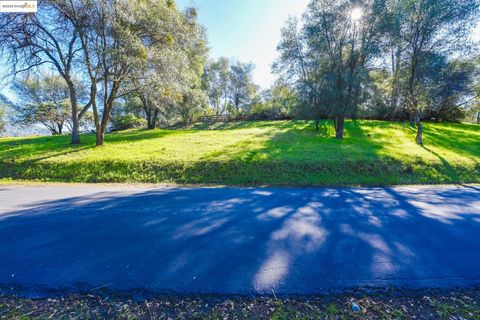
x,y
328,58
428,31
46,39
145,48
278,102
171,74
229,86
398,58
44,99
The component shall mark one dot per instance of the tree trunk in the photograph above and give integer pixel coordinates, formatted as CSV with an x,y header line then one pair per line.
x,y
100,137
100,132
152,121
96,120
339,126
75,130
317,124
418,121
75,120
108,106
148,114
478,117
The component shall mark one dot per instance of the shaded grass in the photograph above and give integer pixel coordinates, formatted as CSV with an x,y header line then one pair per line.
x,y
255,153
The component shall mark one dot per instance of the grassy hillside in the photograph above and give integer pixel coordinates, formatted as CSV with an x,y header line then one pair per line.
x,y
254,153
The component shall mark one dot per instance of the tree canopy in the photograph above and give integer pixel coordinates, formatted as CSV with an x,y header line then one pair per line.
x,y
405,54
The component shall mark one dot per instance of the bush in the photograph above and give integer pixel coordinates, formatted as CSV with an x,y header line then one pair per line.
x,y
128,121
268,111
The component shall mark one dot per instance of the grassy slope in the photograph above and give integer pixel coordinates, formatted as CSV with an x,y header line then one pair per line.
x,y
251,153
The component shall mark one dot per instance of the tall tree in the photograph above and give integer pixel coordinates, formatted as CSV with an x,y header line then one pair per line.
x,y
430,27
44,40
328,58
171,72
229,86
118,37
216,79
241,88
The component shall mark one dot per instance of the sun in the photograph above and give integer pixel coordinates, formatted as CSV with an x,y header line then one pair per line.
x,y
356,14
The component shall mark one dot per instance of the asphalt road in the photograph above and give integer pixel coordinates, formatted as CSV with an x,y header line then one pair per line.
x,y
237,241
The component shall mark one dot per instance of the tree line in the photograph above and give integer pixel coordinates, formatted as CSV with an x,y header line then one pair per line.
x,y
393,59
104,50
110,65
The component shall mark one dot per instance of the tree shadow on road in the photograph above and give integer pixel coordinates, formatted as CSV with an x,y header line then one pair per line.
x,y
244,241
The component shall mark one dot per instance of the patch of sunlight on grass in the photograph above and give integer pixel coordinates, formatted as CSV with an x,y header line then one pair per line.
x,y
275,152
397,141
267,140
168,145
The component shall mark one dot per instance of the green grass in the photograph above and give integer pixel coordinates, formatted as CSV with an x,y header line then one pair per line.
x,y
254,153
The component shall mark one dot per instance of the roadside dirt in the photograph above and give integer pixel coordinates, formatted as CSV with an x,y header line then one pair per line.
x,y
427,304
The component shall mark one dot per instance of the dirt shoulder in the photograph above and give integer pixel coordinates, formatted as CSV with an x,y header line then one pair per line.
x,y
427,304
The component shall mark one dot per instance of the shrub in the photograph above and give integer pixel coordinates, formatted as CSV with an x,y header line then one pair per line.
x,y
128,121
268,111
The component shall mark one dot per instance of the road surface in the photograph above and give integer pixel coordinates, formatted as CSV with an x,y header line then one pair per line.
x,y
237,240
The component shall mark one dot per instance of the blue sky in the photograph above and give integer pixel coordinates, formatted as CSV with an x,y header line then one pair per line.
x,y
247,30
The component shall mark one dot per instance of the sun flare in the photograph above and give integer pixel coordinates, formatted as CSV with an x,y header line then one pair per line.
x,y
356,14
